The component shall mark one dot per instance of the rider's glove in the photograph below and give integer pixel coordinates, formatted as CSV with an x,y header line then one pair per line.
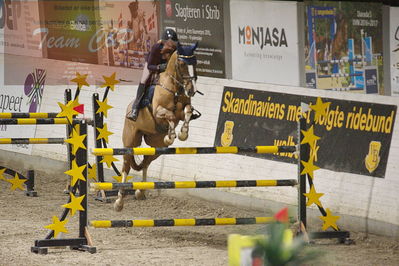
x,y
162,67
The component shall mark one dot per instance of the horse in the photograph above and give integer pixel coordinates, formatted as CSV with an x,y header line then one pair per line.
x,y
171,103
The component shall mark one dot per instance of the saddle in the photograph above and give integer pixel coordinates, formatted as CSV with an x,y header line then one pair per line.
x,y
146,118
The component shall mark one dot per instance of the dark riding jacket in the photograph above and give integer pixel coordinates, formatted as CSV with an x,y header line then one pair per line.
x,y
154,59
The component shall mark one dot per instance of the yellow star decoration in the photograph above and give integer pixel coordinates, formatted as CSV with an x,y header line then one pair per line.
x,y
110,82
76,141
118,178
309,167
80,80
57,226
320,108
76,172
92,172
329,220
313,197
108,159
2,174
104,133
76,128
75,204
103,107
67,110
309,137
16,182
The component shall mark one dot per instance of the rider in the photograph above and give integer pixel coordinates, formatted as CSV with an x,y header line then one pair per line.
x,y
155,64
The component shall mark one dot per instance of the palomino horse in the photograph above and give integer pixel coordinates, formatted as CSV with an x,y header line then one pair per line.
x,y
171,103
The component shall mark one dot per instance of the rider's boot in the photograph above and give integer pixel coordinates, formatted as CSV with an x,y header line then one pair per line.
x,y
135,107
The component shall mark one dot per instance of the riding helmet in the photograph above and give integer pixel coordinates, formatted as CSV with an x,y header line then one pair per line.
x,y
169,34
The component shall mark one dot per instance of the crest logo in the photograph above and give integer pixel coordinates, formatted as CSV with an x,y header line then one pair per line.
x,y
372,159
227,136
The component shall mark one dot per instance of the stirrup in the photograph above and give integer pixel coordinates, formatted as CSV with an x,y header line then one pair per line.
x,y
195,116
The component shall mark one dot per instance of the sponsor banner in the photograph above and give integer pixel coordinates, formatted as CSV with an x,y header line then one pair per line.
x,y
355,137
343,40
22,99
202,22
394,49
129,29
265,43
69,30
19,20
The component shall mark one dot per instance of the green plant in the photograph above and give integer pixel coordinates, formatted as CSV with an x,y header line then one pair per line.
x,y
281,248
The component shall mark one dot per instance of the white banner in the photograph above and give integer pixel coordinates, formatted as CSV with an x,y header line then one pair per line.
x,y
264,37
394,49
18,21
21,99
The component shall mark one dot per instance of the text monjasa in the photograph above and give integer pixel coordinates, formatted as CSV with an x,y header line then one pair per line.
x,y
100,39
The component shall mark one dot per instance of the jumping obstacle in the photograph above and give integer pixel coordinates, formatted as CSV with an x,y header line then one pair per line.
x,y
181,222
37,119
29,183
32,140
28,115
190,150
194,184
83,242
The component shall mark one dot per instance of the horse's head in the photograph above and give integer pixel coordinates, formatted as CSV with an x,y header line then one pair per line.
x,y
185,68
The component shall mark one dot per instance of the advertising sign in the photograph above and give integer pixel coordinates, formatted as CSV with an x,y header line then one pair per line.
x,y
394,49
17,99
19,20
69,31
264,37
202,22
343,39
129,29
355,137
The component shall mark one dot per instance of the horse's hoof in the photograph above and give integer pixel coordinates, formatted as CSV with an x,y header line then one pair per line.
x,y
118,205
183,136
140,195
167,140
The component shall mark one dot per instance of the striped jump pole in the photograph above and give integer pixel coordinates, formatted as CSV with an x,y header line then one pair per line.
x,y
28,115
201,150
194,184
39,121
34,121
181,222
32,140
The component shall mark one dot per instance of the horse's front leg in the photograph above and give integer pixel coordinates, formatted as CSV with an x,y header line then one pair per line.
x,y
141,194
188,112
169,116
171,136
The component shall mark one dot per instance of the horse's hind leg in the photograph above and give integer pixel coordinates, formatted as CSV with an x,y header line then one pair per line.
x,y
188,112
118,205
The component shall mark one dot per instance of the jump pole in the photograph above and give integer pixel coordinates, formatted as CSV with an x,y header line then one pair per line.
x,y
200,150
194,184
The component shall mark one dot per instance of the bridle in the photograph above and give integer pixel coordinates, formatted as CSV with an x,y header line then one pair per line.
x,y
180,78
